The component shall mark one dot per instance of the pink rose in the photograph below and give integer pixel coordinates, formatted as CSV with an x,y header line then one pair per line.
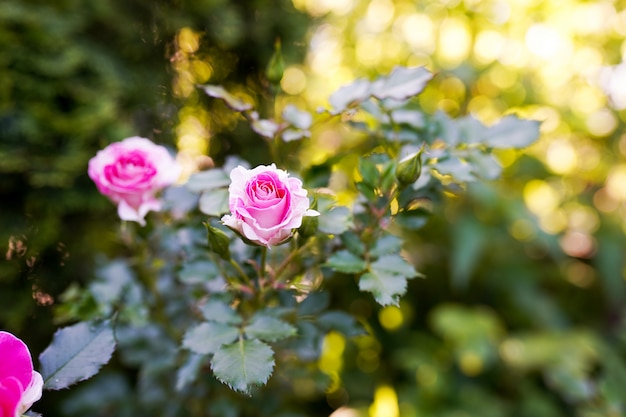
x,y
130,173
20,385
266,205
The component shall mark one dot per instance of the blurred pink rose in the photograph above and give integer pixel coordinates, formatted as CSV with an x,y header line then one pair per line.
x,y
130,173
265,204
20,385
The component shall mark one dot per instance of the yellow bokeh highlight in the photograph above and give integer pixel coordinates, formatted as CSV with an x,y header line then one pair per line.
x,y
455,40
418,31
470,363
616,183
331,359
540,197
561,156
385,403
188,41
391,317
488,46
293,81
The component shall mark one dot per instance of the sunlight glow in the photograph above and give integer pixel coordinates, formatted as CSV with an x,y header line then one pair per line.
x,y
561,156
391,317
540,197
385,403
454,41
419,31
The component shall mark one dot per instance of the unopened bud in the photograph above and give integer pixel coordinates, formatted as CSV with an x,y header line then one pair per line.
x,y
276,66
409,169
218,242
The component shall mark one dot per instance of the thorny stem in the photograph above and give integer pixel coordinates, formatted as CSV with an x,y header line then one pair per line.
x,y
283,266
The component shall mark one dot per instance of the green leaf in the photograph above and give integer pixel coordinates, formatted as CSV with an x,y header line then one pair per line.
x,y
207,180
264,127
342,322
353,243
512,132
346,262
198,272
243,364
220,312
485,165
188,373
402,83
469,240
335,220
215,202
394,264
76,353
386,279
369,171
459,170
386,244
207,338
385,287
269,329
231,101
296,117
349,96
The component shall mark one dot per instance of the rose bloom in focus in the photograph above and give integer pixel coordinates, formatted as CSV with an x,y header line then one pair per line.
x,y
266,204
130,173
20,385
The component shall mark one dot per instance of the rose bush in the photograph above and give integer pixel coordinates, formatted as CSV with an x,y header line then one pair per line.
x,y
130,173
20,385
266,205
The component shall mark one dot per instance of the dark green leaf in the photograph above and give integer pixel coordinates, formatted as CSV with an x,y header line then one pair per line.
x,y
243,364
188,373
220,312
207,338
269,329
76,353
386,244
198,272
346,262
468,243
341,322
215,202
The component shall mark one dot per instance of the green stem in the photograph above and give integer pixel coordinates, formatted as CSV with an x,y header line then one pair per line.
x,y
241,272
263,261
283,266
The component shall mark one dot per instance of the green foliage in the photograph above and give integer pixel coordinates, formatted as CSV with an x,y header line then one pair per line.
x,y
76,353
507,322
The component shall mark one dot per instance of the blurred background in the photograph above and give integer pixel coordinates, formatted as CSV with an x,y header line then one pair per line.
x,y
522,312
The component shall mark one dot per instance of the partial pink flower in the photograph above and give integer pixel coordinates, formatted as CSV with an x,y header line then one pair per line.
x,y
20,385
266,204
130,173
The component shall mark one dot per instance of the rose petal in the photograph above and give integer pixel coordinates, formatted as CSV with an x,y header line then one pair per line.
x,y
32,393
10,395
16,361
